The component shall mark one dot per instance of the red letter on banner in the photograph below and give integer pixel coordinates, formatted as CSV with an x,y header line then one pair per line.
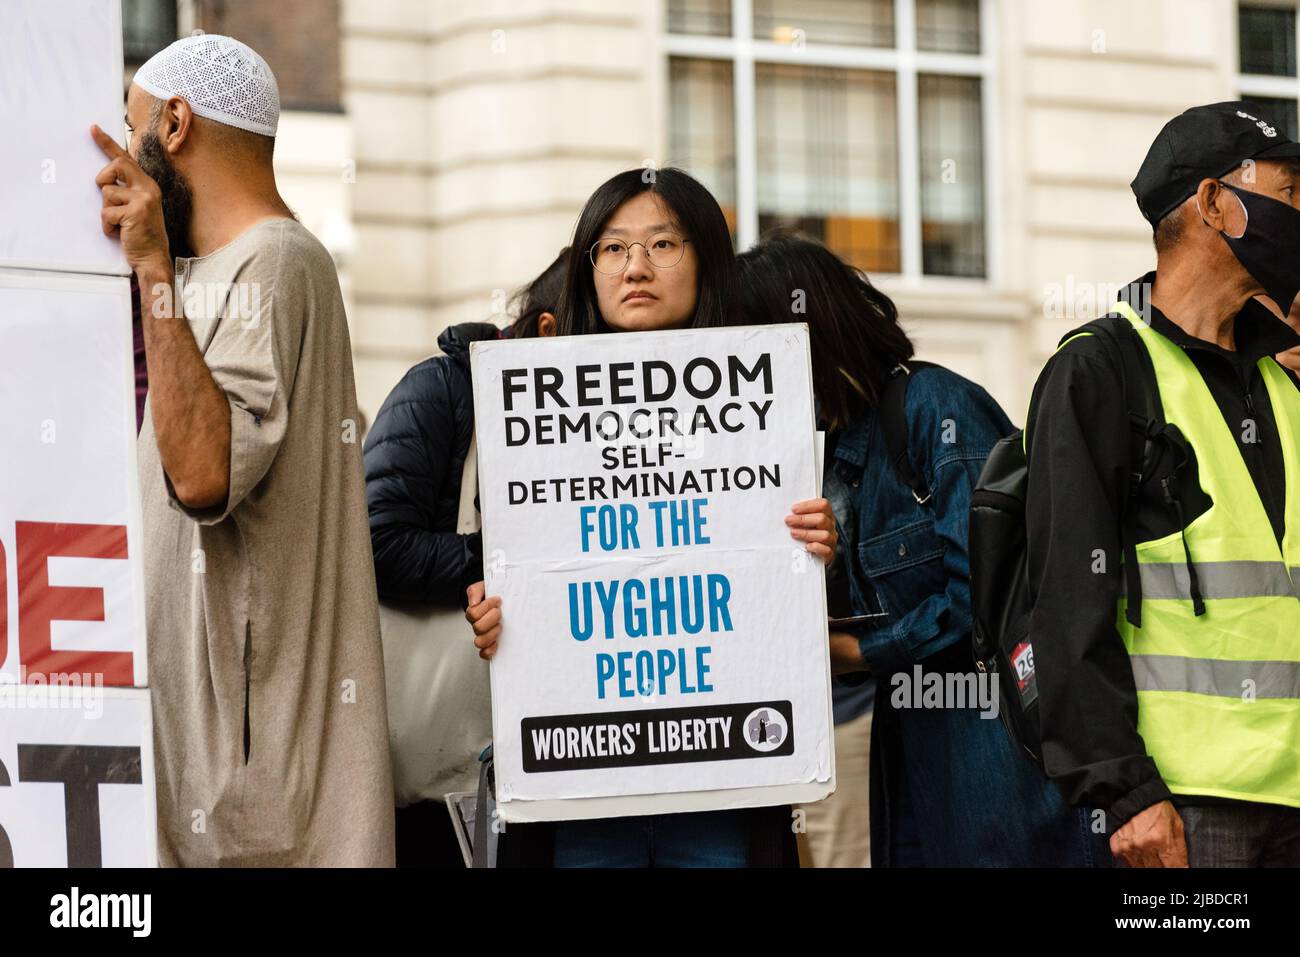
x,y
40,603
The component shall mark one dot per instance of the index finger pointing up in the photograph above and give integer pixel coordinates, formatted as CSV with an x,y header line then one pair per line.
x,y
121,167
106,143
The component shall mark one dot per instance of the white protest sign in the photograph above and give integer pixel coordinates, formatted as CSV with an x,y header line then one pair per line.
x,y
71,576
76,753
60,71
76,778
664,638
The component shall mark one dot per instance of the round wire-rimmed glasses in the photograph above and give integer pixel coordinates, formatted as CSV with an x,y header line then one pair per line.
x,y
610,255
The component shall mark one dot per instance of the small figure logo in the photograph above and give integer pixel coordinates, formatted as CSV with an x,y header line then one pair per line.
x,y
765,729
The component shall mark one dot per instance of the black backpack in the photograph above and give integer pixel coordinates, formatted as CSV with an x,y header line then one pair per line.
x,y
999,577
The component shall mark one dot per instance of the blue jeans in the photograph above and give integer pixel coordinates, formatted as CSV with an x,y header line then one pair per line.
x,y
753,837
949,789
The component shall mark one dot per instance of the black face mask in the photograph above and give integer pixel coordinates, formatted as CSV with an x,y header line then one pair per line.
x,y
1269,248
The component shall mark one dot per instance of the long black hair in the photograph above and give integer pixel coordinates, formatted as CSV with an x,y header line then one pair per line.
x,y
539,296
698,217
852,326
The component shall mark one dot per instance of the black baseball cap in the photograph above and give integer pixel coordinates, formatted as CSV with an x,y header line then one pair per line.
x,y
1204,143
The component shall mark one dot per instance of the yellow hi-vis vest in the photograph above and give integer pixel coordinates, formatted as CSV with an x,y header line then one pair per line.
x,y
1219,694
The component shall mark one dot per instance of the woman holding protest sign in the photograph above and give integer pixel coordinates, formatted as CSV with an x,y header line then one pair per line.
x,y
652,252
909,439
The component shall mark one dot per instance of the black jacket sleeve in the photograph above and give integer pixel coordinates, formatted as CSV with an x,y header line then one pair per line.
x,y
1078,459
414,457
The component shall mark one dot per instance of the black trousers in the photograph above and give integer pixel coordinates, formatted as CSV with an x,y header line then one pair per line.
x,y
1240,834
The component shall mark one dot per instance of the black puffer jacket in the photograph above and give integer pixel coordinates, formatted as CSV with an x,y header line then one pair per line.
x,y
415,456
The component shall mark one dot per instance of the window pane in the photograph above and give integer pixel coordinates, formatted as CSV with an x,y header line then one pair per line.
x,y
1267,37
948,26
868,23
828,159
147,27
700,17
702,127
952,176
1279,111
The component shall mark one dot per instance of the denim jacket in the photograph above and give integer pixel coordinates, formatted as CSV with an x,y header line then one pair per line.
x,y
906,559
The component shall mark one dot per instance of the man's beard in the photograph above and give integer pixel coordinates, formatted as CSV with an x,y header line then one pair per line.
x,y
176,199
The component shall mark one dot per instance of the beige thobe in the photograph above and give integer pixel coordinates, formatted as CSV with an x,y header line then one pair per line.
x,y
265,664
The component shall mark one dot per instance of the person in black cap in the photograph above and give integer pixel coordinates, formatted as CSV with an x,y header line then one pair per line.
x,y
1166,591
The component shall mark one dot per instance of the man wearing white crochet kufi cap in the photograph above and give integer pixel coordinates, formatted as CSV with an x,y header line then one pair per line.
x,y
270,724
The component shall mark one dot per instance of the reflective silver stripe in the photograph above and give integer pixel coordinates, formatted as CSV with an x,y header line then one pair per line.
x,y
1295,579
1217,580
1214,676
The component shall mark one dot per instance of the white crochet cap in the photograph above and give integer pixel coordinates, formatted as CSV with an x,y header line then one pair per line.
x,y
221,79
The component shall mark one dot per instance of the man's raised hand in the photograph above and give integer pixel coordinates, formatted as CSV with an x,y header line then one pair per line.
x,y
132,209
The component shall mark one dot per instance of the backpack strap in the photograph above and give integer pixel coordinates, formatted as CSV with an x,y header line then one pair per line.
x,y
1147,427
1143,413
893,425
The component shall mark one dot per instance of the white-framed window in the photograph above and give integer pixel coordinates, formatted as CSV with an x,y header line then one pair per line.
x,y
1267,40
867,124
